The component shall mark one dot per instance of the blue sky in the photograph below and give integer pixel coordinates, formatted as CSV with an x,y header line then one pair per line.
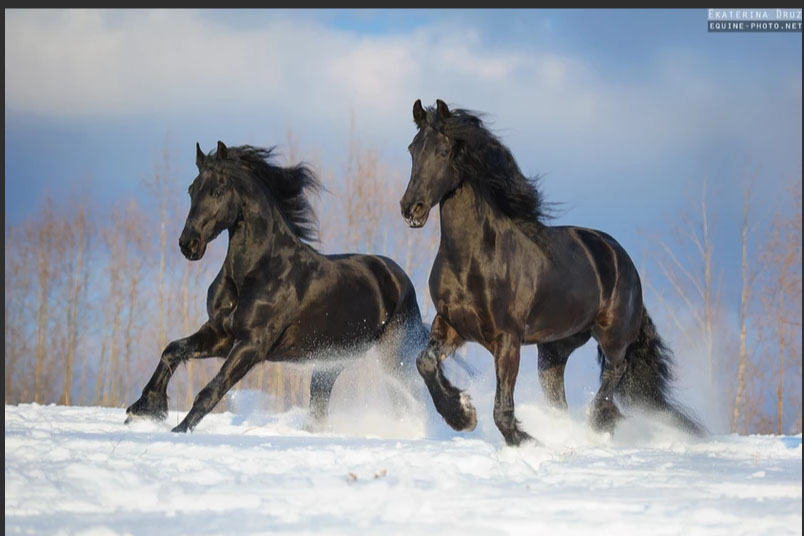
x,y
574,92
625,112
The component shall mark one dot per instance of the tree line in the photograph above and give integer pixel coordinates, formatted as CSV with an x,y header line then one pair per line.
x,y
94,295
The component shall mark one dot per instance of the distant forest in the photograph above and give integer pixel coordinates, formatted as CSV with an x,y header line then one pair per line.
x,y
94,293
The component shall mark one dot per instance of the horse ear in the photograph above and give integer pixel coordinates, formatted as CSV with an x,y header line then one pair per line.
x,y
199,156
221,155
441,108
419,115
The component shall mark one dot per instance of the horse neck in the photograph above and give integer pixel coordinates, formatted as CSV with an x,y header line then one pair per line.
x,y
463,214
260,232
467,218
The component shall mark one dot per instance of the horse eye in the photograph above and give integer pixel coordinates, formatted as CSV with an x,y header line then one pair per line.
x,y
219,192
444,153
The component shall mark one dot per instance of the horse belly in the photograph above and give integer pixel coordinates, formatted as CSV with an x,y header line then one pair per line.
x,y
557,315
333,327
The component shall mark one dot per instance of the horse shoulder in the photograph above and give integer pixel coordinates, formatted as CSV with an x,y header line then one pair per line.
x,y
443,277
263,309
221,297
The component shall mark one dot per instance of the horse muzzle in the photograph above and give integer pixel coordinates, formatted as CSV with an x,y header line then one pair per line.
x,y
191,246
415,215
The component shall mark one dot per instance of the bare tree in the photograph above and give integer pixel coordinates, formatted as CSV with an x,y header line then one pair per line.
x,y
125,244
134,233
161,185
690,276
42,235
747,278
76,239
19,283
781,300
117,247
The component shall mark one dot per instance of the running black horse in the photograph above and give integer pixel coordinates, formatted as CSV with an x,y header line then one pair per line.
x,y
276,298
503,278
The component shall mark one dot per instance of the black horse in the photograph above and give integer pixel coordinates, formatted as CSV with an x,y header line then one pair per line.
x,y
276,298
503,278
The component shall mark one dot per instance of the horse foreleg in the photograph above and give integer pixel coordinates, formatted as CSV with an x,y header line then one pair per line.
x,y
206,342
243,356
506,365
451,403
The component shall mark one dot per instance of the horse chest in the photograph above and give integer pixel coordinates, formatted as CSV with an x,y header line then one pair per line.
x,y
476,301
469,314
228,322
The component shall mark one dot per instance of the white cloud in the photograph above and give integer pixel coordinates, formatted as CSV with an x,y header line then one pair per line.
x,y
372,69
99,63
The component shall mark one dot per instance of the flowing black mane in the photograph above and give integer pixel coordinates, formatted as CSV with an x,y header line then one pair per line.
x,y
486,164
287,186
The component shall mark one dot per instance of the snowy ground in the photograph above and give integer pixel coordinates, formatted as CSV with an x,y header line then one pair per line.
x,y
79,470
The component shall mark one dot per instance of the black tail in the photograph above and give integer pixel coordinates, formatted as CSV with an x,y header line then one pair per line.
x,y
648,377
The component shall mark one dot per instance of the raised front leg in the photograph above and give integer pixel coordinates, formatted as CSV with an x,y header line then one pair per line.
x,y
450,402
506,365
208,341
552,361
321,382
243,356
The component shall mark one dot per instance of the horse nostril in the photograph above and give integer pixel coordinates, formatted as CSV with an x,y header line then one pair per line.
x,y
418,210
414,214
190,246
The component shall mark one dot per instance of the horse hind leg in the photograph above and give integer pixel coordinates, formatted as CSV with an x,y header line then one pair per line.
x,y
604,412
553,358
321,382
408,340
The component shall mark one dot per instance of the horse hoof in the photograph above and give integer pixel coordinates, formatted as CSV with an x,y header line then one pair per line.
x,y
461,415
605,417
181,429
313,425
469,412
518,437
147,408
